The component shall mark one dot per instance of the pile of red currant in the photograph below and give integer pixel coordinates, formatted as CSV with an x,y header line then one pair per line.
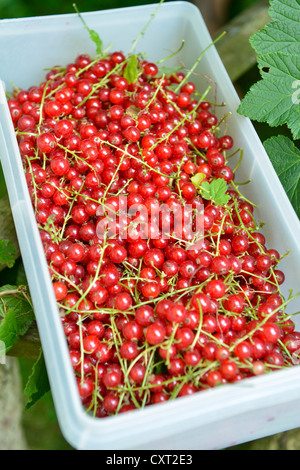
x,y
152,306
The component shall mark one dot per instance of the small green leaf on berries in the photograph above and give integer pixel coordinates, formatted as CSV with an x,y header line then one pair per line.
x,y
215,191
197,179
131,71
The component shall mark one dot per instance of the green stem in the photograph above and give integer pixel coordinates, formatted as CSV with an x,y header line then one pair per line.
x,y
187,76
173,53
145,28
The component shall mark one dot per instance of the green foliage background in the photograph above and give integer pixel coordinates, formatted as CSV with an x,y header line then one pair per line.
x,y
22,8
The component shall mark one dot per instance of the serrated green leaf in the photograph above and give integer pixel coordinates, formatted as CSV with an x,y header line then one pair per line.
x,y
286,11
276,37
285,158
7,253
15,298
274,99
37,384
131,71
215,191
96,39
8,329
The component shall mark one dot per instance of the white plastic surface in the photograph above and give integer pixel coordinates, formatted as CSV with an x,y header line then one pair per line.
x,y
212,419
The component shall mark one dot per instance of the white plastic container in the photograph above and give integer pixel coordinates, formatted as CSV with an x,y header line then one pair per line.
x,y
213,419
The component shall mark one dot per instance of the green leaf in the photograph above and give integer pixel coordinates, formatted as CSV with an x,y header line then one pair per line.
x,y
17,316
285,158
282,34
37,384
93,34
215,191
3,188
274,99
285,10
7,253
96,39
276,37
197,179
15,299
8,330
131,71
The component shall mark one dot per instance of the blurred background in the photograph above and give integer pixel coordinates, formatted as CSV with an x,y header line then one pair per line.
x,y
215,10
39,423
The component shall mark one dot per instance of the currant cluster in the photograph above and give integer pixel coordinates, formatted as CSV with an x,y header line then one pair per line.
x,y
149,312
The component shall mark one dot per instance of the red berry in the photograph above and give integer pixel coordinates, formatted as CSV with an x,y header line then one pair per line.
x,y
270,332
243,350
123,301
129,350
46,142
132,331
215,288
155,333
214,378
85,386
60,290
229,370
